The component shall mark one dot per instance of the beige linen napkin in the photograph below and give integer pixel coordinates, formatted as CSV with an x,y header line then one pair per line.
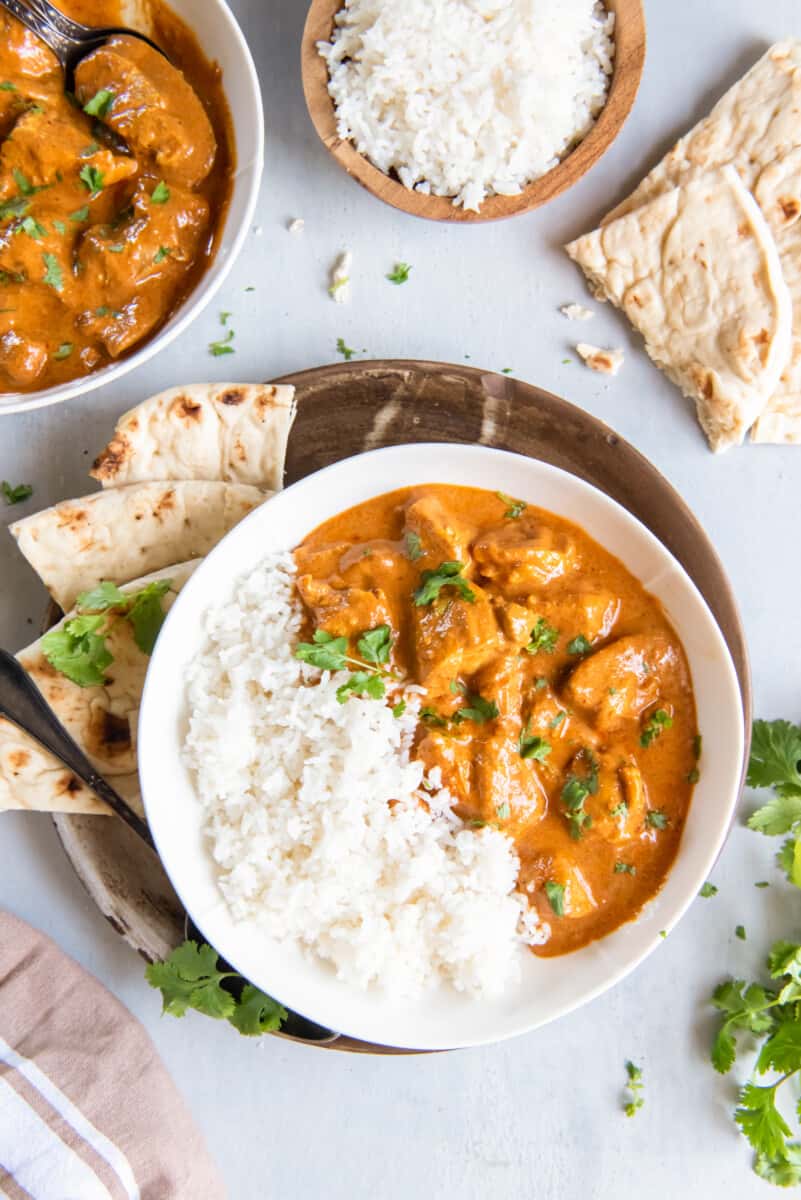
x,y
87,1109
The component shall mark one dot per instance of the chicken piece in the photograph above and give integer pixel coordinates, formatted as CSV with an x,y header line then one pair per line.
x,y
443,538
452,753
501,681
137,267
545,716
507,786
572,893
617,809
322,561
154,109
521,557
24,54
46,144
343,612
22,359
454,637
618,682
592,614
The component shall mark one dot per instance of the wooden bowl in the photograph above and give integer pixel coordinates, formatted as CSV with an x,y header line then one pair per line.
x,y
344,409
629,62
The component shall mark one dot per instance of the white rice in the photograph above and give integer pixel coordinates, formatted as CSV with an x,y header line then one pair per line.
x,y
297,789
468,98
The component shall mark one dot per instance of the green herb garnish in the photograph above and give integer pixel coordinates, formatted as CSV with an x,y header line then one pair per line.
x,y
708,891
446,575
576,791
656,819
218,349
622,868
556,897
400,273
414,547
654,726
64,351
634,1087
190,978
579,646
162,253
160,193
16,495
100,104
53,276
23,183
543,638
533,747
515,508
80,214
344,350
92,179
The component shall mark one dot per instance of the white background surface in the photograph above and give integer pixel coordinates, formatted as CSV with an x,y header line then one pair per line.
x,y
540,1116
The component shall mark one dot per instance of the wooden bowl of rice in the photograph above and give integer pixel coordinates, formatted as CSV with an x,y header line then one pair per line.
x,y
629,57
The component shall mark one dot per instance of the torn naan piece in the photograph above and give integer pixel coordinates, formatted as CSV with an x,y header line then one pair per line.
x,y
233,432
698,274
756,127
127,532
102,720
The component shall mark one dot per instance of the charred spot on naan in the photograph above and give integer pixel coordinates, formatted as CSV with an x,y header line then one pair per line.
x,y
108,464
187,409
232,397
18,760
109,735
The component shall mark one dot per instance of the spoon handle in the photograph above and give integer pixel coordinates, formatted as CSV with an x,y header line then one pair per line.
x,y
25,706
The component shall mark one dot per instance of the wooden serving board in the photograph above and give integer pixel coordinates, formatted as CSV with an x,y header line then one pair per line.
x,y
348,408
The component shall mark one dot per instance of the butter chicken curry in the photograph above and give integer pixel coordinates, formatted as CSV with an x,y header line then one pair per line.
x,y
558,704
110,199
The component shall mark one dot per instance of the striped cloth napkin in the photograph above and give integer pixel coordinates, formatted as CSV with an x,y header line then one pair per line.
x,y
87,1110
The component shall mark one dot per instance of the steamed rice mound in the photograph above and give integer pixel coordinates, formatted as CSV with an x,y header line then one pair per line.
x,y
468,98
314,817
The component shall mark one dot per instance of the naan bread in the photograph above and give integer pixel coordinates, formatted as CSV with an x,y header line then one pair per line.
x,y
697,272
128,532
226,431
756,127
102,720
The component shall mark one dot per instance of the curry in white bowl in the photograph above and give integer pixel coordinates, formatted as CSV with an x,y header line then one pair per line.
x,y
558,704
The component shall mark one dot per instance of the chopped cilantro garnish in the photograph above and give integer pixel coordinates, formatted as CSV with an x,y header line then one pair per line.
x,y
622,868
446,575
92,179
634,1086
708,891
100,104
556,897
543,638
16,495
80,214
23,182
515,508
64,351
162,253
53,276
579,646
33,229
400,273
217,349
414,547
160,193
656,723
346,352
533,747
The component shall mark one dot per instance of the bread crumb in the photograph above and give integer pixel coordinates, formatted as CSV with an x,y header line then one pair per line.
x,y
296,225
607,362
339,289
576,312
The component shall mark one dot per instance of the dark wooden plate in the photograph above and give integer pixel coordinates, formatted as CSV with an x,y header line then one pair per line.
x,y
351,407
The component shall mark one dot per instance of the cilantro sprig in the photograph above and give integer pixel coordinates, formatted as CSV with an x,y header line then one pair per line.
x,y
79,648
191,978
446,575
658,721
634,1087
543,638
776,763
329,653
577,789
16,495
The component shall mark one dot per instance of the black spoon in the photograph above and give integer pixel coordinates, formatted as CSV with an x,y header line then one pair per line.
x,y
23,704
69,40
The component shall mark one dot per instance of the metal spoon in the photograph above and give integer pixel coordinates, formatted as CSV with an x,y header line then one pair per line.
x,y
69,40
23,704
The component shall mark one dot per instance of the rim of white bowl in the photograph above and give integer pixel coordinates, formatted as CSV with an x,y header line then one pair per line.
x,y
211,282
150,722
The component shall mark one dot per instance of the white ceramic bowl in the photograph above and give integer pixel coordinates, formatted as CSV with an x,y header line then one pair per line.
x,y
222,41
442,1019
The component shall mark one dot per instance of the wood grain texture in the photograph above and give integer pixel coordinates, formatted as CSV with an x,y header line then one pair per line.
x,y
348,408
630,42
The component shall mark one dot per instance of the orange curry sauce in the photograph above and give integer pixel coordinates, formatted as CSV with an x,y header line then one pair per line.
x,y
571,659
108,218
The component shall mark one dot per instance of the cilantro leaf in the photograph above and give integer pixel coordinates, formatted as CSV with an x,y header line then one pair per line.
x,y
532,747
80,214
634,1086
656,819
414,547
53,275
375,645
16,207
724,1050
556,897
782,1050
79,651
32,228
579,646
434,720
346,352
257,1013
515,509
160,194
400,274
446,575
362,684
15,495
775,757
218,349
399,709
654,726
189,978
325,651
782,1171
708,891
477,709
162,253
100,104
761,1121
92,179
779,815
23,183
543,638
147,615
64,351
101,598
